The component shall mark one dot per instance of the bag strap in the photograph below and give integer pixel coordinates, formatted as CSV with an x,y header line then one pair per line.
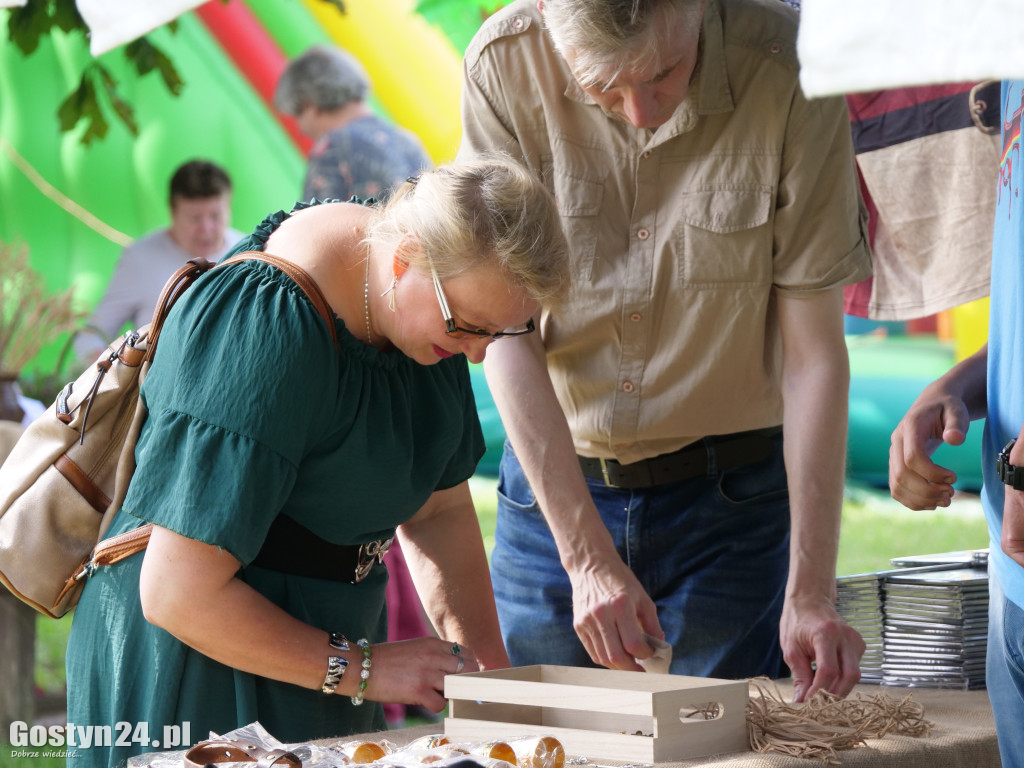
x,y
300,277
176,284
195,268
108,552
126,544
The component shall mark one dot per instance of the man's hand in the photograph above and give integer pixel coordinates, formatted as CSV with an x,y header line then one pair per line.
x,y
915,480
611,613
813,633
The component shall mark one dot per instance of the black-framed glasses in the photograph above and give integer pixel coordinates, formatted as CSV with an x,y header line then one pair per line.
x,y
451,328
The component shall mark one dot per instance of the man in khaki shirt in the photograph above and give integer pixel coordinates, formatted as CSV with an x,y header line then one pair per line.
x,y
714,218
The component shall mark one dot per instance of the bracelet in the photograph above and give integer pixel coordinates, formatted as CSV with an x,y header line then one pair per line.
x,y
364,673
336,666
337,640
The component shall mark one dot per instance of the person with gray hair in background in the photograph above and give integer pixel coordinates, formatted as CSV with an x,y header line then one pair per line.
x,y
676,434
355,151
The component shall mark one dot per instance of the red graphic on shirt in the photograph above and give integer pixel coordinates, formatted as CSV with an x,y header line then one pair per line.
x,y
1011,141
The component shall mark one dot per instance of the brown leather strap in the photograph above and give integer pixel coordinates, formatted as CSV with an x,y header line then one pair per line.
x,y
183,277
113,550
81,482
189,272
232,751
126,544
300,277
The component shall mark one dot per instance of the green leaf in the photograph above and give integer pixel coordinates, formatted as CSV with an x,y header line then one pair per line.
x,y
82,104
72,108
27,24
169,73
121,107
96,123
67,17
140,52
146,57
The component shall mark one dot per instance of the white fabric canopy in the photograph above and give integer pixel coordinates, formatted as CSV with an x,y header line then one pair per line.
x,y
116,22
847,46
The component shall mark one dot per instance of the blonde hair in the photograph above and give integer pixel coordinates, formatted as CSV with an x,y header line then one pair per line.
x,y
489,210
607,37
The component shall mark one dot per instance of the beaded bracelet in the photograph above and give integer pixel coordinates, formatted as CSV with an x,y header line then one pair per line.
x,y
364,673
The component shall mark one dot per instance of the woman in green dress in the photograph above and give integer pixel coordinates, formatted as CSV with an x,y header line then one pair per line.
x,y
276,463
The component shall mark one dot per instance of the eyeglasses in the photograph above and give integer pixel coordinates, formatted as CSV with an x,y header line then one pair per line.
x,y
451,328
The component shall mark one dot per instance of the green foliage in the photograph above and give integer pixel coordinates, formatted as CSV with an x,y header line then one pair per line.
x,y
96,94
97,89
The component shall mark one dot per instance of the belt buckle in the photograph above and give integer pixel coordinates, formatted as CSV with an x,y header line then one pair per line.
x,y
370,554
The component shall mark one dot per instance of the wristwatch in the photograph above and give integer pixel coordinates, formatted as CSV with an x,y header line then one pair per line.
x,y
1009,474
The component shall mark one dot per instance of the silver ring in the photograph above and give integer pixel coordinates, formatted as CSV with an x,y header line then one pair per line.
x,y
462,663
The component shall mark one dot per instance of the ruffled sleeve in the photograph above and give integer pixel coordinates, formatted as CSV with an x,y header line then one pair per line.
x,y
234,400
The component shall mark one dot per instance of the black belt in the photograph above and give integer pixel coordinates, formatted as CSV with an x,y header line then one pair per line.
x,y
730,451
292,548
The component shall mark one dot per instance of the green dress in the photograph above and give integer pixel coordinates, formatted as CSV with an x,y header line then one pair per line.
x,y
254,412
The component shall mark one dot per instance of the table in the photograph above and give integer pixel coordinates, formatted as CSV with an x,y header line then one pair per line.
x,y
963,736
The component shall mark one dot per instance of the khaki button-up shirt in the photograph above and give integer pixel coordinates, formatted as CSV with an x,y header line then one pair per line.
x,y
681,237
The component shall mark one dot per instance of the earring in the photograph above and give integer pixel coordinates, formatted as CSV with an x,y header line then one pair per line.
x,y
391,291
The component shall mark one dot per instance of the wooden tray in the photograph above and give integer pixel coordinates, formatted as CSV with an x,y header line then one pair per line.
x,y
600,713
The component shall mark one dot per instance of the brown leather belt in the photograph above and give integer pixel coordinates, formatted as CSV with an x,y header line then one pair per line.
x,y
293,548
694,460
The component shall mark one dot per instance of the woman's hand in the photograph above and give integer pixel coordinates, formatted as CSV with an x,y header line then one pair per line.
x,y
413,671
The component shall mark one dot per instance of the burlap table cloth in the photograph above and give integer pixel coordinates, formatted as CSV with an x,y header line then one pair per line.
x,y
963,736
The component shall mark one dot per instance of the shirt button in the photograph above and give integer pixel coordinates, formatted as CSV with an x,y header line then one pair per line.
x,y
775,48
643,234
647,154
627,386
636,317
517,22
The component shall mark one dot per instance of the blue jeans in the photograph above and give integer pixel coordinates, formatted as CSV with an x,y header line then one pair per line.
x,y
712,552
1004,672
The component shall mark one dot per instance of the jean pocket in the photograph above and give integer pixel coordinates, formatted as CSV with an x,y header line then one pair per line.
x,y
1013,634
514,492
762,482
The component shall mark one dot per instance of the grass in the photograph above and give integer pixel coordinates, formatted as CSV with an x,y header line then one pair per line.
x,y
875,530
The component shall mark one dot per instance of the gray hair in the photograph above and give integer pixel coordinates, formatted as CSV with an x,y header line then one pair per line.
x,y
607,37
490,210
324,77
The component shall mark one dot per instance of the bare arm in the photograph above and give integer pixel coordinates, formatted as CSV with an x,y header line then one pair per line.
x,y
815,388
445,553
189,589
611,609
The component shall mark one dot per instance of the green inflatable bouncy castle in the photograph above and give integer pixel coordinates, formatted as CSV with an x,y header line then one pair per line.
x,y
76,206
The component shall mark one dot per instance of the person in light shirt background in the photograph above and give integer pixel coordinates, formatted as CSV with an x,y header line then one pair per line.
x,y
200,207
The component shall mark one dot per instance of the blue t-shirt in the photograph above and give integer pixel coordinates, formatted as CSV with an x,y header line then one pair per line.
x,y
1006,330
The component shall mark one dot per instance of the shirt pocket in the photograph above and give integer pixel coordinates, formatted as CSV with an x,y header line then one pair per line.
x,y
724,236
579,203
